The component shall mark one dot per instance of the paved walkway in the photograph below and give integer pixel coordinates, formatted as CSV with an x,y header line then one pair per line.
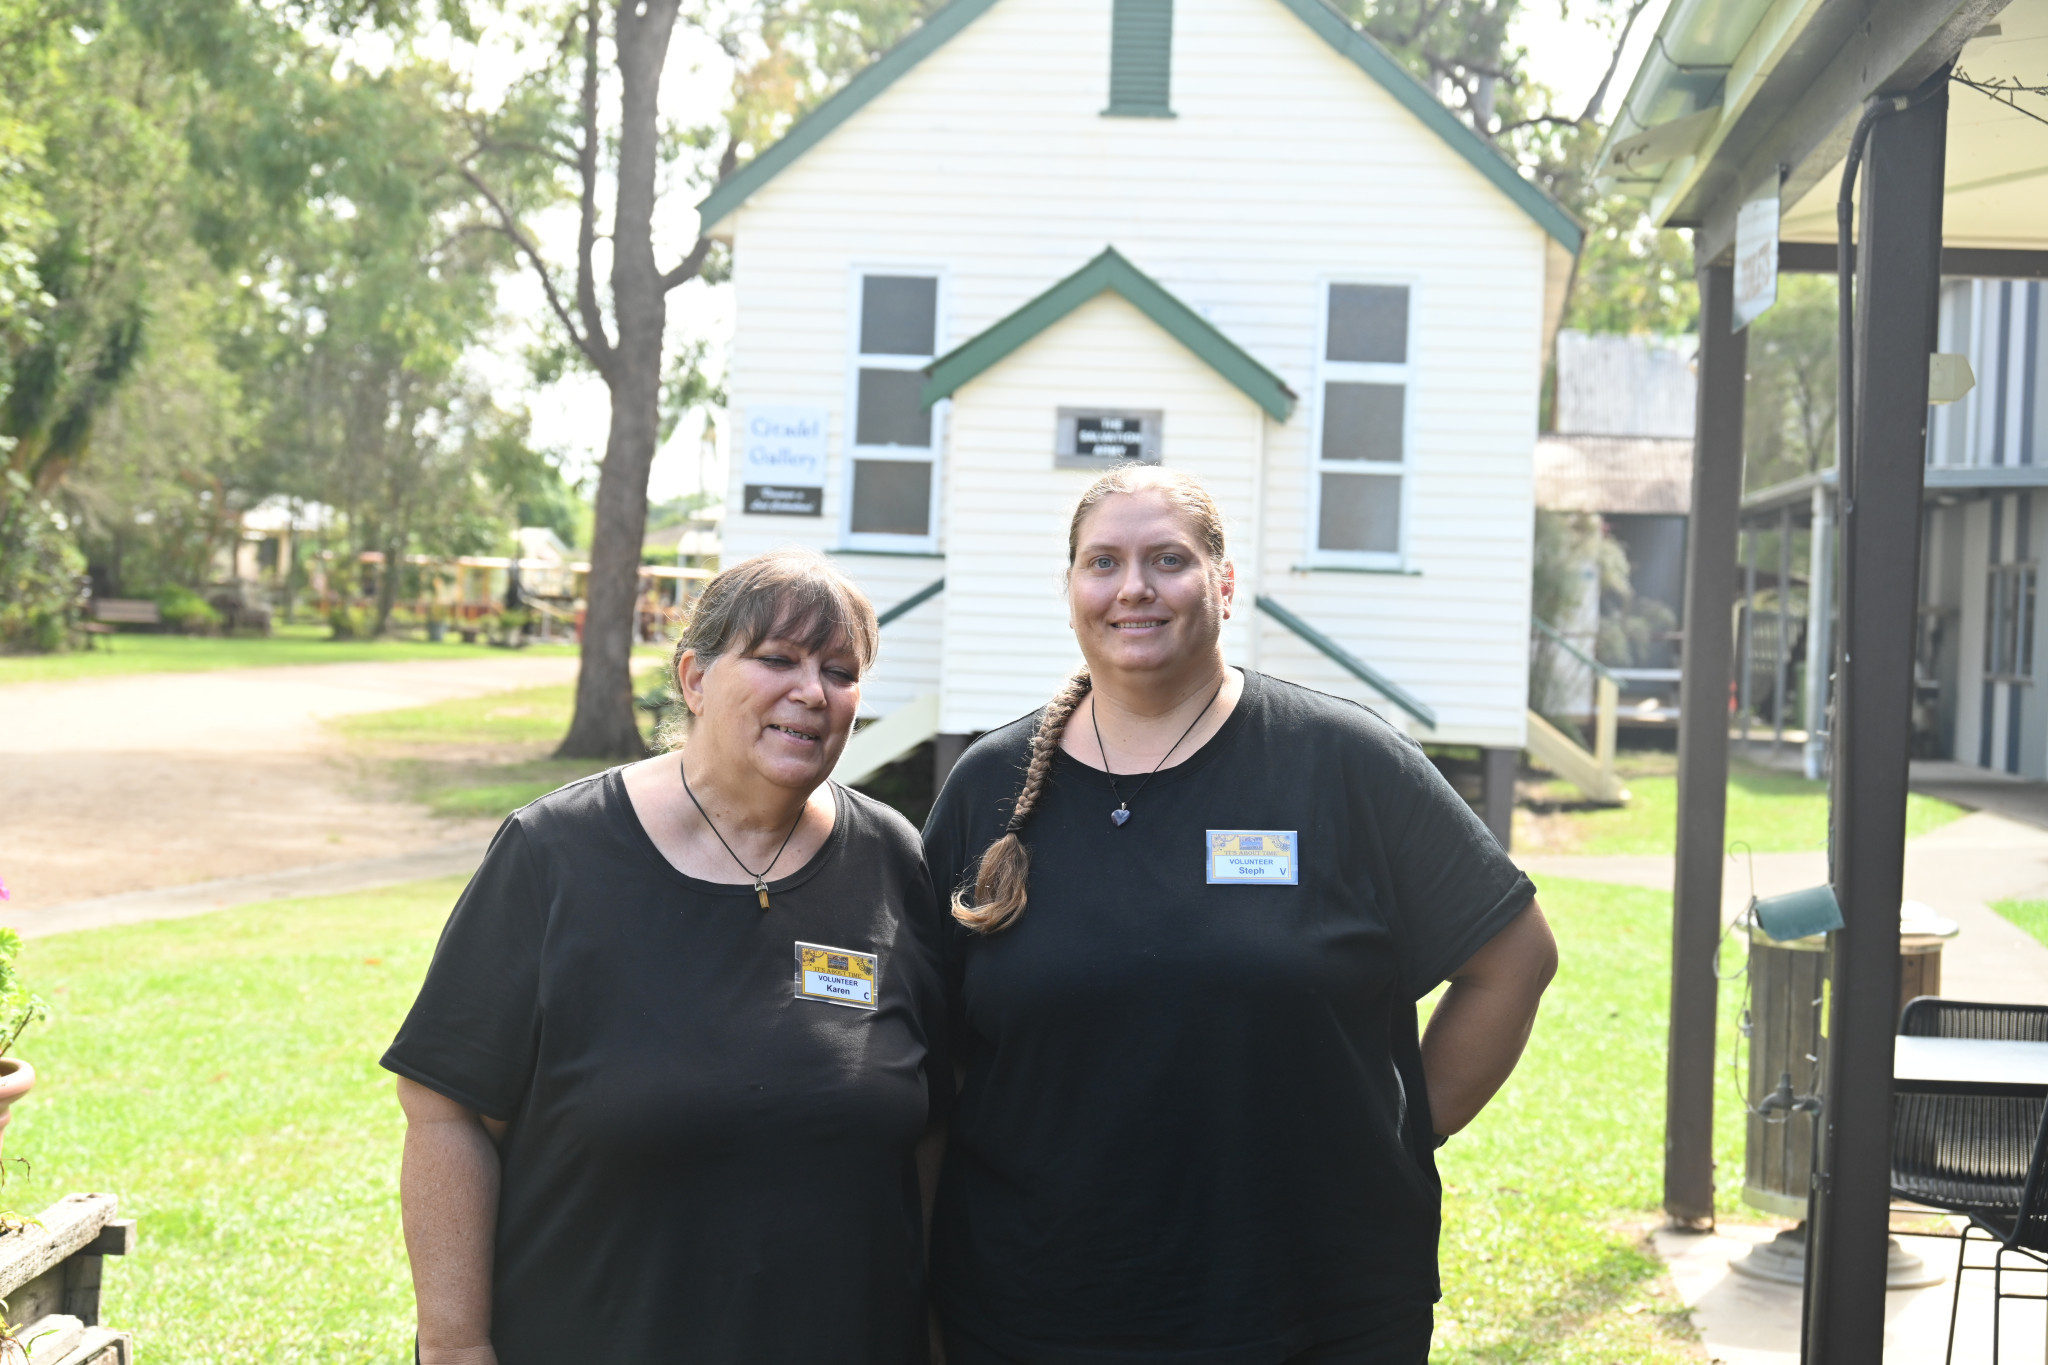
x,y
1959,870
112,786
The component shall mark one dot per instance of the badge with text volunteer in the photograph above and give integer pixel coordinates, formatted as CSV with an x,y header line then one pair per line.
x,y
836,976
1253,855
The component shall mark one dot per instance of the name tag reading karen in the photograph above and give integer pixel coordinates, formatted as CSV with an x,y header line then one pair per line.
x,y
836,976
1253,855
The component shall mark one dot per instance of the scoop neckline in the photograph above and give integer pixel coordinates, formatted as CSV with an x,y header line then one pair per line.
x,y
615,790
1209,748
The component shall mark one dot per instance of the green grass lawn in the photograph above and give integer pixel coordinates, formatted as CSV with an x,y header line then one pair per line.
x,y
2031,916
479,756
220,1075
295,644
1773,812
1549,1194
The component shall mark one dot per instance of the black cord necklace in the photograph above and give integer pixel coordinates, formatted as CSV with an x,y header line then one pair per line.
x,y
1122,812
761,877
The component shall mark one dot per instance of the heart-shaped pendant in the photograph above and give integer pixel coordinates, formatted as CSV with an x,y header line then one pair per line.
x,y
1118,816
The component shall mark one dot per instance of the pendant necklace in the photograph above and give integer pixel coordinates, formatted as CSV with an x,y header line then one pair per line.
x,y
1122,812
761,877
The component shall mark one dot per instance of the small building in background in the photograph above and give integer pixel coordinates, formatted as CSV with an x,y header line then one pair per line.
x,y
1622,452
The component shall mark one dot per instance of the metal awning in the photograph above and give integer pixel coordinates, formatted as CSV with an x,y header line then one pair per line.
x,y
1741,100
1737,89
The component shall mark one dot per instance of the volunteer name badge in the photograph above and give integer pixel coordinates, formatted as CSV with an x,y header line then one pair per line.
x,y
1253,855
836,976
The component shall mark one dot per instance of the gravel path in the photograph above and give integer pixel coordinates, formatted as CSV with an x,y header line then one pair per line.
x,y
125,784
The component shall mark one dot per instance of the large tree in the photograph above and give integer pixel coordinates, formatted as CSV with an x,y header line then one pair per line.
x,y
593,116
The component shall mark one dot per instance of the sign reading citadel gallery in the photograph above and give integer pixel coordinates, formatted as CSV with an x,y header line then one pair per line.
x,y
782,461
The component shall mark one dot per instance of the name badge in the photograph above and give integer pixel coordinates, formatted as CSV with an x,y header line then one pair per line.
x,y
837,976
1253,855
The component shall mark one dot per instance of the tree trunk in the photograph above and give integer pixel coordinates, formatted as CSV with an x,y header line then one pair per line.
x,y
604,725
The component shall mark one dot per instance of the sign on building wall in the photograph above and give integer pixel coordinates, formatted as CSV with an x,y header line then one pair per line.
x,y
1756,260
1102,438
782,462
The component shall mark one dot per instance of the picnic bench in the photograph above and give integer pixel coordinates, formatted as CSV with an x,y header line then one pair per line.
x,y
50,1281
127,611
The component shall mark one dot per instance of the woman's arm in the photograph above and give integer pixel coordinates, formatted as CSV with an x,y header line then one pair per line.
x,y
1477,1033
448,1188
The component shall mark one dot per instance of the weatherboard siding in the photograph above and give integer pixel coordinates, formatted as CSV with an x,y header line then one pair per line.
x,y
1285,167
1007,642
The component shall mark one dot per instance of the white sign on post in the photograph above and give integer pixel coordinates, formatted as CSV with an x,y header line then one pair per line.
x,y
782,462
1756,260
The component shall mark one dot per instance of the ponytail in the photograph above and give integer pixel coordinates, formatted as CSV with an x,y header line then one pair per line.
x,y
1002,884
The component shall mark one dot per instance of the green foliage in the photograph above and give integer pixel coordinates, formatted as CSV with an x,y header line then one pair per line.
x,y
39,570
19,1006
1789,402
1631,277
185,610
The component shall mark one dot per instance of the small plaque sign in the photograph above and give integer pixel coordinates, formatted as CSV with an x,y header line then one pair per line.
x,y
782,463
1756,260
1102,438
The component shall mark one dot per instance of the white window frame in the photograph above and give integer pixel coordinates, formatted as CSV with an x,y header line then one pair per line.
x,y
851,450
1329,371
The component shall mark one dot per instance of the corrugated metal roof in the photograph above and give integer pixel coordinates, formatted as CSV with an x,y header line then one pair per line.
x,y
1614,475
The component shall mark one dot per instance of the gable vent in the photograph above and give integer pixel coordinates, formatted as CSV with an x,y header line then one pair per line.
x,y
1140,59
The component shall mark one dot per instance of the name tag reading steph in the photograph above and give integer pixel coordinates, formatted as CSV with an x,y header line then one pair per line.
x,y
837,976
1253,855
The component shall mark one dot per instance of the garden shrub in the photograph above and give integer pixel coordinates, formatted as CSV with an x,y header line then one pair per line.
x,y
186,611
39,571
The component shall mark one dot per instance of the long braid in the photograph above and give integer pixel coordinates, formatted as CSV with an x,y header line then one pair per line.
x,y
1001,886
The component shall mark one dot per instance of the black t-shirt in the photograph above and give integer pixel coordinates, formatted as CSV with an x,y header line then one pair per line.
x,y
1193,1124
702,1165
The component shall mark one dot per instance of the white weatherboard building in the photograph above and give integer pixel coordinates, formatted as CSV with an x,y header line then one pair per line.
x,y
1233,236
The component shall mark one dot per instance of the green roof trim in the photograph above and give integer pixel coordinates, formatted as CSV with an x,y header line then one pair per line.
x,y
1111,272
851,98
1375,61
1363,51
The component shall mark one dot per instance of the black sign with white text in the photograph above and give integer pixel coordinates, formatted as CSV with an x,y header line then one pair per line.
x,y
782,500
1109,437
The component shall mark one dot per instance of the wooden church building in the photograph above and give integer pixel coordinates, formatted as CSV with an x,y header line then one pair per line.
x,y
1040,237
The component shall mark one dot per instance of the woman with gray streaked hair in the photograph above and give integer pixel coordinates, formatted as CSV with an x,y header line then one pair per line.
x,y
679,1043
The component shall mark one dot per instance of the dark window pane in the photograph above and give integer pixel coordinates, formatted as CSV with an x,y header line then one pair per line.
x,y
1369,323
892,497
898,315
1362,421
1140,57
892,411
1360,512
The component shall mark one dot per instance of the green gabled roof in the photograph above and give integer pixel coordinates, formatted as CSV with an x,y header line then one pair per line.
x,y
1333,28
1111,272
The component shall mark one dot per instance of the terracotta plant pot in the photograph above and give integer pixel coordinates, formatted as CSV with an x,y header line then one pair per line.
x,y
16,1079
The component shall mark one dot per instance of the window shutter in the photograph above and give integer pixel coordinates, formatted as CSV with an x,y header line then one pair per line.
x,y
1141,58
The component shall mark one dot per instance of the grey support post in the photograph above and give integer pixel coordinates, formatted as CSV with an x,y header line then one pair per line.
x,y
1703,754
946,751
1501,765
1897,278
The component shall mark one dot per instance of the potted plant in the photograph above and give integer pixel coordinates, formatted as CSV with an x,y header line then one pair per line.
x,y
18,1009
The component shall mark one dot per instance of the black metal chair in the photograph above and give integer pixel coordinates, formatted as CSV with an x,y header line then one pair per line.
x,y
1931,1016
1984,1156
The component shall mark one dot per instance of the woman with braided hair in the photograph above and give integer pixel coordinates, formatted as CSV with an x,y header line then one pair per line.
x,y
1196,907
